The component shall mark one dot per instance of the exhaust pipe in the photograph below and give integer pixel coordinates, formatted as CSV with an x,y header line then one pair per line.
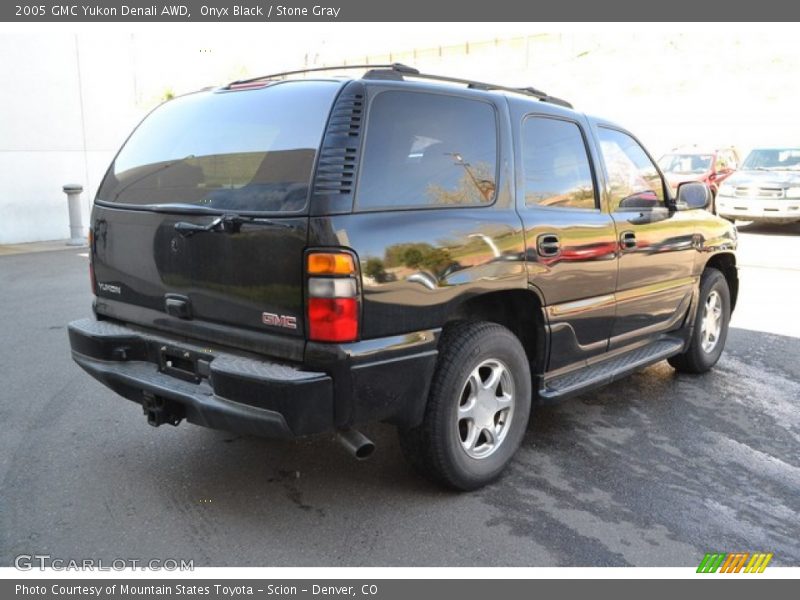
x,y
356,443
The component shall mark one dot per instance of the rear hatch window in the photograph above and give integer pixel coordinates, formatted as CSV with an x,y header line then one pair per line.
x,y
243,151
248,153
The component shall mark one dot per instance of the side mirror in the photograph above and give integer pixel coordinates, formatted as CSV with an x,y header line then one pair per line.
x,y
692,195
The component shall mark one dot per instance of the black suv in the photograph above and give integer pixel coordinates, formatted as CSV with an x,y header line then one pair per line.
x,y
284,257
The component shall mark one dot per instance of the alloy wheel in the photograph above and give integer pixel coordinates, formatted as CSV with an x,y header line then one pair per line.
x,y
486,408
711,325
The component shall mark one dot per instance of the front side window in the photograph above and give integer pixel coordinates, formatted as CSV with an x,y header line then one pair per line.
x,y
634,180
247,150
556,165
428,150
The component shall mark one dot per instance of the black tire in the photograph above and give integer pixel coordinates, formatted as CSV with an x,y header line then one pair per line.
x,y
435,448
696,359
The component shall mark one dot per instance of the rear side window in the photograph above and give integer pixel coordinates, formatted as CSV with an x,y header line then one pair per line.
x,y
556,164
428,150
248,150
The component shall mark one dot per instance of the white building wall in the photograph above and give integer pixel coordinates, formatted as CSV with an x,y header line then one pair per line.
x,y
67,103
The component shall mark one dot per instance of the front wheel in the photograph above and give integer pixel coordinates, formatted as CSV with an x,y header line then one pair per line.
x,y
478,407
710,325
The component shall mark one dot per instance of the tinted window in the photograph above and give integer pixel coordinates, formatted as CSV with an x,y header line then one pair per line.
x,y
556,165
428,150
244,150
634,179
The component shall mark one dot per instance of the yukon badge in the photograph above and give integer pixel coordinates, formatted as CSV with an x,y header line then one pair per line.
x,y
274,320
110,288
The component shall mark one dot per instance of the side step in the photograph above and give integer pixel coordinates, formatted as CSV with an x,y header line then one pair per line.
x,y
608,370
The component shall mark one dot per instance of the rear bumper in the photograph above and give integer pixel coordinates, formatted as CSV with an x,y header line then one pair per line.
x,y
372,380
228,392
761,209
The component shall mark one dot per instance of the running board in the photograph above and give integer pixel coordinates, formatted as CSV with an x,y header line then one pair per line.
x,y
606,371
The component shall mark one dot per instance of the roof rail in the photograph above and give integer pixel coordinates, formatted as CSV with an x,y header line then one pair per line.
x,y
399,71
394,67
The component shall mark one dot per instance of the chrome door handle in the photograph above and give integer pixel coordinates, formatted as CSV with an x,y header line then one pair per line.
x,y
627,240
548,245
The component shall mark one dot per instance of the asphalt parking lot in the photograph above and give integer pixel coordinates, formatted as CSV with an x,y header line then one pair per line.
x,y
655,470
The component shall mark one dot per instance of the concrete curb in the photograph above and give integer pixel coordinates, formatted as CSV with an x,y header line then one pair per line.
x,y
49,246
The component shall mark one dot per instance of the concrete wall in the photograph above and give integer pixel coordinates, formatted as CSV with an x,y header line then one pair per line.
x,y
66,105
669,88
68,101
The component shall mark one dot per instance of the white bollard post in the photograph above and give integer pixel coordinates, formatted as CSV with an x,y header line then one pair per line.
x,y
73,192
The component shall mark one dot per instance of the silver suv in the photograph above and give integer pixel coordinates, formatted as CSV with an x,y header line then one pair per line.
x,y
765,189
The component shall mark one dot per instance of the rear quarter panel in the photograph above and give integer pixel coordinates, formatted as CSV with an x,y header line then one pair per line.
x,y
419,264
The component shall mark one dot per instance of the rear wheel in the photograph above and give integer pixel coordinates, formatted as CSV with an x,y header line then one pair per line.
x,y
478,407
710,325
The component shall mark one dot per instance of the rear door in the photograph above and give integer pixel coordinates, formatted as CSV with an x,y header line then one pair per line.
x,y
202,216
570,241
657,246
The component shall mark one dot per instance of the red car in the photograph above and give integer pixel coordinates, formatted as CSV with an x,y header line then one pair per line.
x,y
693,163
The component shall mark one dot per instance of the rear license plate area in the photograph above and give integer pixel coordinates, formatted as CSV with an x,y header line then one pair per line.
x,y
179,363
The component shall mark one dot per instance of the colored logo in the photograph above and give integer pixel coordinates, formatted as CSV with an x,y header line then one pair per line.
x,y
734,562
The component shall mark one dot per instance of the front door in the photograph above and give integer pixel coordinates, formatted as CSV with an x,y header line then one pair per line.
x,y
656,245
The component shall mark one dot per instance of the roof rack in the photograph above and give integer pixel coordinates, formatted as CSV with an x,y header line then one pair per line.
x,y
393,66
399,71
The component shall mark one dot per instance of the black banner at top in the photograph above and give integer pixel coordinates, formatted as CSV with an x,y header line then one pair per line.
x,y
394,10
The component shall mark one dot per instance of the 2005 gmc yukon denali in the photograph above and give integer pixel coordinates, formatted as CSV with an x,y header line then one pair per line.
x,y
285,257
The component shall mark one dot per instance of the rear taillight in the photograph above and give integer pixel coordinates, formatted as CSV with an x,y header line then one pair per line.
x,y
333,297
92,279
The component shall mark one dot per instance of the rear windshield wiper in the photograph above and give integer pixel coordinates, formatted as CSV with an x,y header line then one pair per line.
x,y
228,223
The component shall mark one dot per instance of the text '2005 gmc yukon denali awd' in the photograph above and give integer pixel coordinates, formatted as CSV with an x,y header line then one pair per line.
x,y
286,257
